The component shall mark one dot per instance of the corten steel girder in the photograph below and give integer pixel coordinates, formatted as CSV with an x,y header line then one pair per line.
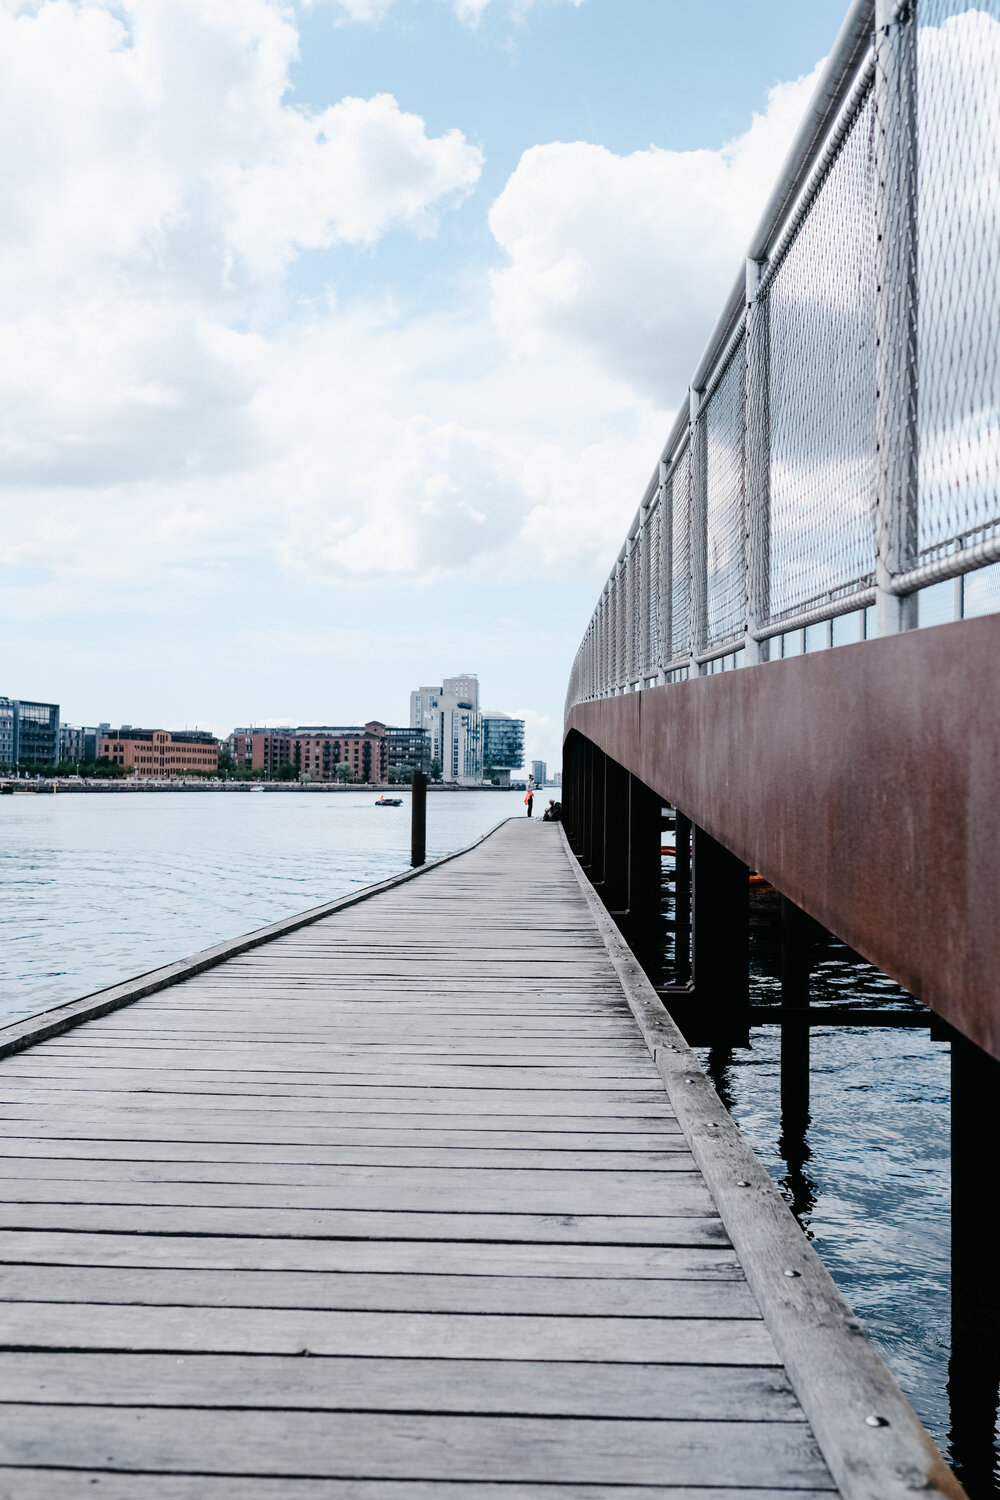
x,y
863,782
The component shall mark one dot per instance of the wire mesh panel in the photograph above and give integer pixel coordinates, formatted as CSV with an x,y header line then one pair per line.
x,y
651,580
725,524
634,619
620,626
958,216
820,305
679,483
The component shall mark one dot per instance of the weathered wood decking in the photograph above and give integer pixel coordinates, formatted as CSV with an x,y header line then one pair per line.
x,y
395,1205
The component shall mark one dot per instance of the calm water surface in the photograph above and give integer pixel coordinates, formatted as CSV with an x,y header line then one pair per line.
x,y
98,887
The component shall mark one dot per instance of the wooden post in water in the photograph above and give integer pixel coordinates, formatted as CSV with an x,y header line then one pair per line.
x,y
797,930
418,824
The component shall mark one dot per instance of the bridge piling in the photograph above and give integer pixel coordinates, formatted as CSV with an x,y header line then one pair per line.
x,y
796,964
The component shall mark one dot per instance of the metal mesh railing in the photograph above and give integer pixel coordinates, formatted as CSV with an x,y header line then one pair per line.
x,y
958,317
844,448
725,522
819,303
679,595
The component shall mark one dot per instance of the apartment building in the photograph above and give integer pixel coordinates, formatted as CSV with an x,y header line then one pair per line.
x,y
321,752
450,715
161,753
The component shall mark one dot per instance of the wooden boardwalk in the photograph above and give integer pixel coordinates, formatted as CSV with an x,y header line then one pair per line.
x,y
396,1205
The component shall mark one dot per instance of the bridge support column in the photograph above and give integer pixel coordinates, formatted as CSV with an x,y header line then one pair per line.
x,y
720,934
586,823
713,1009
644,876
797,931
617,835
974,1369
594,849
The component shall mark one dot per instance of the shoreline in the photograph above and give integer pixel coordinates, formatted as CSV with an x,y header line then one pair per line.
x,y
179,784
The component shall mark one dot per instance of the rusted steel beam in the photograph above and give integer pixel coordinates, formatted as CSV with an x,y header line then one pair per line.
x,y
863,783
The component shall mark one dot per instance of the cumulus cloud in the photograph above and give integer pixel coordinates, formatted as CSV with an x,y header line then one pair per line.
x,y
166,415
630,257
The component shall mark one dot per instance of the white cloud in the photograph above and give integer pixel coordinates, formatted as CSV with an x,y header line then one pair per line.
x,y
164,417
630,257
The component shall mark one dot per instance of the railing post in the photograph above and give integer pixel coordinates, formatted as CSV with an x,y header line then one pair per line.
x,y
758,464
665,574
896,438
698,542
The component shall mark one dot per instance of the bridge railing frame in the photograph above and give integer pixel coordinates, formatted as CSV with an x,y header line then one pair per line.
x,y
661,616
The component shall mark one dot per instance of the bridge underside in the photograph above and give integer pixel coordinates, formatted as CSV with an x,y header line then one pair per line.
x,y
862,782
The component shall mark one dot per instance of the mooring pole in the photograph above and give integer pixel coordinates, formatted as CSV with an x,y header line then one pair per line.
x,y
796,963
418,823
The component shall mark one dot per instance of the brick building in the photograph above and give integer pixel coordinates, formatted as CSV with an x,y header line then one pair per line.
x,y
160,753
318,751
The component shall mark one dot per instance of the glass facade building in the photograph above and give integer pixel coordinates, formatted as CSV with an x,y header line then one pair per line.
x,y
29,732
503,742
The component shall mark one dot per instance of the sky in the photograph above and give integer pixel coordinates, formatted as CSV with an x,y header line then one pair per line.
x,y
338,339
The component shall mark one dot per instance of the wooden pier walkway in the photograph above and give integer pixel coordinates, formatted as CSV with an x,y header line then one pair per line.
x,y
399,1205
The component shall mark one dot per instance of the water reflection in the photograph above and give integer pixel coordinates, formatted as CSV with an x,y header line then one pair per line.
x,y
797,1184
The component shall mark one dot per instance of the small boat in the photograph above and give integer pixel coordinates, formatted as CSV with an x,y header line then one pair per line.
x,y
384,801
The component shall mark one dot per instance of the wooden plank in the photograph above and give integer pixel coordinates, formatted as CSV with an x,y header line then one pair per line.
x,y
673,1155
388,1191
688,1341
684,1392
94,1128
383,1445
519,1228
651,1191
404,1257
387,1292
51,1484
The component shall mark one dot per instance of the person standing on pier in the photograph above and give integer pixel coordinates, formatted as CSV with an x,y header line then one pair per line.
x,y
529,796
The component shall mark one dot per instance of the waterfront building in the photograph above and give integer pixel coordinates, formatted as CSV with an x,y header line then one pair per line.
x,y
318,752
540,771
81,742
503,742
161,753
450,714
408,750
29,732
